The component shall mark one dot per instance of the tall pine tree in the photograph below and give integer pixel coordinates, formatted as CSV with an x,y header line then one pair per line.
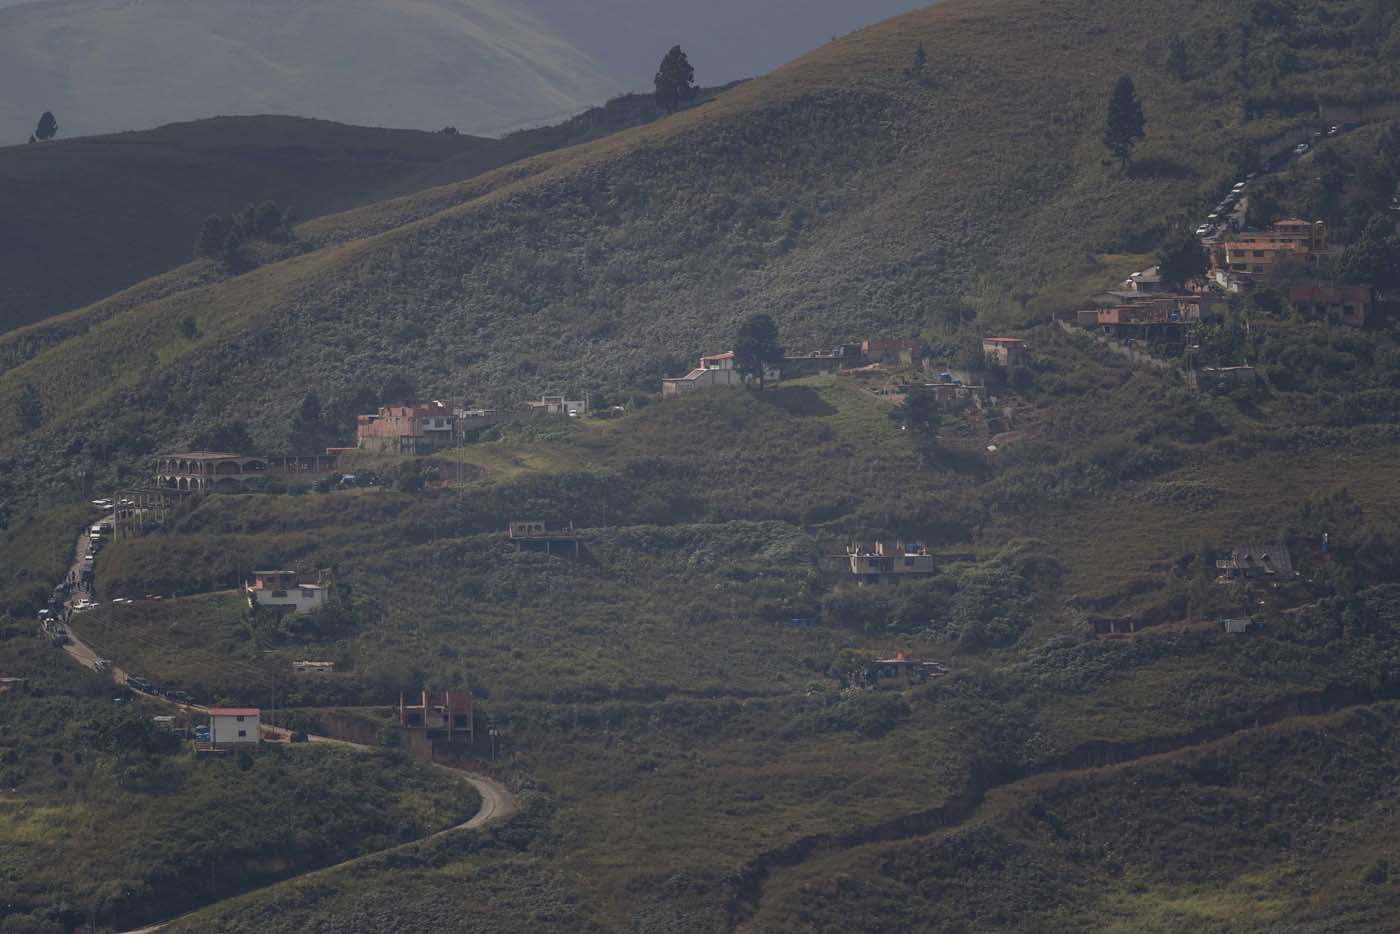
x,y
48,127
675,80
756,348
1126,123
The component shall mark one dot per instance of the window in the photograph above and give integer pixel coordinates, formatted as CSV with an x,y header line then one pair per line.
x,y
1258,268
1258,252
239,719
242,734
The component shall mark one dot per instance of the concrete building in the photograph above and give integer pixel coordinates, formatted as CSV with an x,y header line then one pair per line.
x,y
795,366
898,673
714,370
900,351
1269,561
446,713
559,405
551,538
419,428
1006,352
231,726
283,591
886,563
1243,259
202,472
1339,304
1210,377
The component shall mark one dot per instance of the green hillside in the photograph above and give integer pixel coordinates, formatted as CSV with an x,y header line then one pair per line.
x,y
93,215
677,710
834,193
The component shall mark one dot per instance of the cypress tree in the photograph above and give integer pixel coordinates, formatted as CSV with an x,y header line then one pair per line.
x,y
675,80
1126,123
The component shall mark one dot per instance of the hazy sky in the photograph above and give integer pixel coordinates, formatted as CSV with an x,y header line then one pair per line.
x,y
484,66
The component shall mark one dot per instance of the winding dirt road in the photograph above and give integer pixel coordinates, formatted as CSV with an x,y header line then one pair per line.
x,y
497,802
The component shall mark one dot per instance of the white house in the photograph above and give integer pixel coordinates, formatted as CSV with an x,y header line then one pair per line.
x,y
283,591
559,405
715,370
231,725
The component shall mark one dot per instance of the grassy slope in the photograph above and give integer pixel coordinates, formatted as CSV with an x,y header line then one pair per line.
x,y
820,192
100,815
1279,830
658,796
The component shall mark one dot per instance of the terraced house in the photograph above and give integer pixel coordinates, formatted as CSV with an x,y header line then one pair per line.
x,y
1246,258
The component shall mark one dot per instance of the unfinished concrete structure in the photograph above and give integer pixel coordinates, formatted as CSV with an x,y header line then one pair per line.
x,y
439,713
888,563
898,673
552,538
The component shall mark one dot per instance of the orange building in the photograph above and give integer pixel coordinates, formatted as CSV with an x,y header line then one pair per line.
x,y
1246,257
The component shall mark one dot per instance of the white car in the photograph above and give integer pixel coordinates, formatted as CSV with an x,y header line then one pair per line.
x,y
1300,149
83,606
1203,230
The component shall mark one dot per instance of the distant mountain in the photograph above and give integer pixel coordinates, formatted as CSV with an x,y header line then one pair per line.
x,y
484,66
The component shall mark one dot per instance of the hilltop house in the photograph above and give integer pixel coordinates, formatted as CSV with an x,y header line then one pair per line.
x,y
714,370
1339,304
887,563
1244,258
230,726
282,591
443,713
902,351
1006,352
559,405
419,428
1269,561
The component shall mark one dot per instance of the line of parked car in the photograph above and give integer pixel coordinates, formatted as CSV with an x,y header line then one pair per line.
x,y
1228,206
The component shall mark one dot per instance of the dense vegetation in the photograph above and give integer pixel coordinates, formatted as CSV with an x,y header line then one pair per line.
x,y
678,701
106,819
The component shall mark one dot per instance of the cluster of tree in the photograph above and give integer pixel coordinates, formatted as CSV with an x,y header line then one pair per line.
x,y
1374,257
320,424
223,237
1182,260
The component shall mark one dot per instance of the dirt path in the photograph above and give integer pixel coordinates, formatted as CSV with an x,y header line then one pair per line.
x,y
1311,707
497,802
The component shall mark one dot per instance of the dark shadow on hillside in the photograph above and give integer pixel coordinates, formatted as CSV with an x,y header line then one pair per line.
x,y
1160,168
802,401
968,463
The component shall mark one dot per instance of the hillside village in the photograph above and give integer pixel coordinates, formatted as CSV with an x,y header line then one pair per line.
x,y
797,514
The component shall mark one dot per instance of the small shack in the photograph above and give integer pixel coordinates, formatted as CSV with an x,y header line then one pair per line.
x,y
1269,561
898,673
552,538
